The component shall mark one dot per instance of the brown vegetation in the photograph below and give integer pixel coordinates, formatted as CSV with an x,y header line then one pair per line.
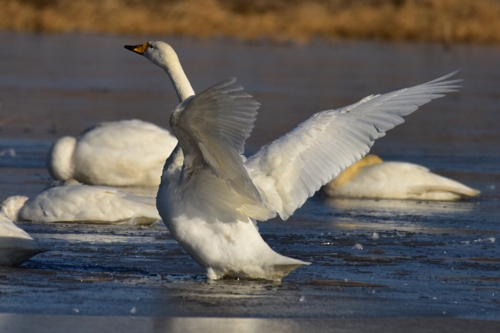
x,y
418,20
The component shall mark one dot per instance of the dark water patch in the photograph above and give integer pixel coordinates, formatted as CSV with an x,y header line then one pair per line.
x,y
23,153
343,283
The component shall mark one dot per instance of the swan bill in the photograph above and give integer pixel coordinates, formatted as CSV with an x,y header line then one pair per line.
x,y
139,49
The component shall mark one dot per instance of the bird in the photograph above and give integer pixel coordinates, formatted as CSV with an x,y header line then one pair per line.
x,y
211,196
71,201
372,178
119,153
16,245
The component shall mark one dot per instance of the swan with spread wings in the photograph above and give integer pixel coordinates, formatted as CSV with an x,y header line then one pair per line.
x,y
211,197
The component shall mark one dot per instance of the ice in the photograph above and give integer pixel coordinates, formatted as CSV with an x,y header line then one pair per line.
x,y
485,240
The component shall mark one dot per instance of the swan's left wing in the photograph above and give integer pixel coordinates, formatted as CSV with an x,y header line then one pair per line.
x,y
292,168
215,124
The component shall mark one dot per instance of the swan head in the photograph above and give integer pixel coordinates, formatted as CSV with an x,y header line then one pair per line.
x,y
60,159
164,56
159,53
12,205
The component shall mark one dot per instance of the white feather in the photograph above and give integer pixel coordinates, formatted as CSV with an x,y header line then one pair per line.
x,y
83,203
399,180
318,149
121,153
16,246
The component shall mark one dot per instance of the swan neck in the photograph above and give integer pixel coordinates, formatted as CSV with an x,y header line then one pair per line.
x,y
179,79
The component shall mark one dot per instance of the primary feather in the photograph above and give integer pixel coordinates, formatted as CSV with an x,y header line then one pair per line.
x,y
296,165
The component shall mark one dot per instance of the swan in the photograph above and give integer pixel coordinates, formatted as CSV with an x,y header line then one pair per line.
x,y
120,153
16,246
210,196
372,178
70,201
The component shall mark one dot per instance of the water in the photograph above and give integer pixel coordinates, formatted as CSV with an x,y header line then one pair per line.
x,y
433,259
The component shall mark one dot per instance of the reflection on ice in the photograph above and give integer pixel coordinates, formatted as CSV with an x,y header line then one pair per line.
x,y
355,224
242,325
403,227
395,207
136,321
10,152
102,238
373,216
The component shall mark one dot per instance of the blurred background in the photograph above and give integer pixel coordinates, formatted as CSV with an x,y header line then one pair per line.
x,y
281,20
63,67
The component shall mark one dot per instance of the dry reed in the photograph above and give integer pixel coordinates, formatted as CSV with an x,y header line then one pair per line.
x,y
475,21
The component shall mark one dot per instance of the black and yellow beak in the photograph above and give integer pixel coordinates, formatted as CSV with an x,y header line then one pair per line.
x,y
139,49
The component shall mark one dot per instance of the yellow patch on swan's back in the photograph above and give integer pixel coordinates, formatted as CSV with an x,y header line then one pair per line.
x,y
346,175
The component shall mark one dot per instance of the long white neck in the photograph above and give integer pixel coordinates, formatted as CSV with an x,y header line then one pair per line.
x,y
172,66
181,83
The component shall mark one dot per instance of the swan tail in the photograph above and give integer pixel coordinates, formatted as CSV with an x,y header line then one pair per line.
x,y
284,270
272,271
284,266
459,191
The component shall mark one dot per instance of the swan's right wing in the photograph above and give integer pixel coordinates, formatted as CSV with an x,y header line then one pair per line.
x,y
212,127
292,168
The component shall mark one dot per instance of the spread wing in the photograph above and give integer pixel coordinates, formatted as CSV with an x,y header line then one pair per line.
x,y
294,167
212,127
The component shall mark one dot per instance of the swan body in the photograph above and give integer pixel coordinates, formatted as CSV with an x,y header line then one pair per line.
x,y
210,196
16,246
371,178
121,153
71,201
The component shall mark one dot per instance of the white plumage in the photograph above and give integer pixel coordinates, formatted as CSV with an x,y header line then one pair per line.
x,y
71,201
371,178
121,153
210,197
16,246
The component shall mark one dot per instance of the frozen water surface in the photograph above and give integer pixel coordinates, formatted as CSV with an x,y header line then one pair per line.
x,y
431,266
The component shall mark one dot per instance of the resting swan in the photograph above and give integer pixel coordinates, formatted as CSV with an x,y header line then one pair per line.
x,y
70,201
210,196
371,178
16,246
120,153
